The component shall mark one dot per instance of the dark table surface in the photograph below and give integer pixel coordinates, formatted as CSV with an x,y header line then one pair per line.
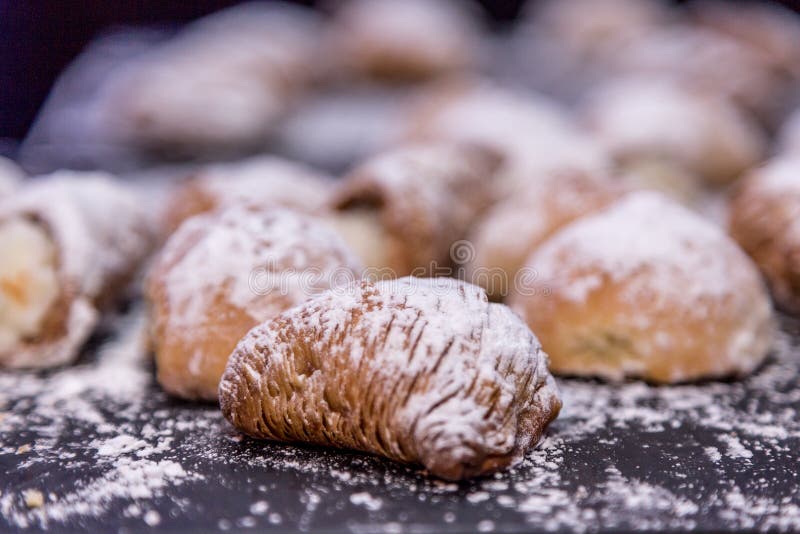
x,y
108,450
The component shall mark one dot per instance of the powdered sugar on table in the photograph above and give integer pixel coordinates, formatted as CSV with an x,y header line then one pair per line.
x,y
104,448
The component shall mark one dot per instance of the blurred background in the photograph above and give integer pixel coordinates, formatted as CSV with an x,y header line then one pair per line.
x,y
77,80
39,38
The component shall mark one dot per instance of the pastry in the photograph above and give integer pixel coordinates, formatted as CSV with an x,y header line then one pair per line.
x,y
707,61
767,27
422,371
403,39
222,273
646,289
402,210
505,237
533,134
263,181
68,245
221,85
765,220
10,176
657,121
562,47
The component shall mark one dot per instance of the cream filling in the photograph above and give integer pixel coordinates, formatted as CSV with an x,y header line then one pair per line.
x,y
363,231
28,281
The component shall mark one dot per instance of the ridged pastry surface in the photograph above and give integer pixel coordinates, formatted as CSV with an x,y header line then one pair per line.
x,y
422,371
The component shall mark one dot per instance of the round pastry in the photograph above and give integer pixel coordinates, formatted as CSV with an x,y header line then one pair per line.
x,y
263,181
221,85
403,210
10,176
68,245
765,220
654,120
220,274
507,235
421,371
533,134
646,289
403,39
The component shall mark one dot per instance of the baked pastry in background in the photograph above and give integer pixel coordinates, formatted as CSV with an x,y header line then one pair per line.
x,y
646,289
260,181
11,175
707,61
765,220
68,245
402,210
505,237
400,40
532,133
220,274
659,122
768,28
421,371
221,85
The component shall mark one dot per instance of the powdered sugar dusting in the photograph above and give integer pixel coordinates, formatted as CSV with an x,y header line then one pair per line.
x,y
627,456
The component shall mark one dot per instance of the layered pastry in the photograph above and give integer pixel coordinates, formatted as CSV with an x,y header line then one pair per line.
x,y
672,129
646,289
765,220
68,245
421,371
222,273
402,210
507,235
403,39
265,181
221,85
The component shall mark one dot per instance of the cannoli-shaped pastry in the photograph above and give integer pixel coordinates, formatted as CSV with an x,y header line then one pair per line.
x,y
221,85
404,209
505,237
646,289
10,176
264,181
421,371
640,120
534,136
68,245
222,273
765,221
403,39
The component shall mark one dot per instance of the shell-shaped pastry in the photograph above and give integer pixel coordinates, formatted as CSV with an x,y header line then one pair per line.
x,y
422,371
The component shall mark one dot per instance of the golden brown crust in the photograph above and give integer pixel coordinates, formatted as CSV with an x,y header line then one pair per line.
x,y
514,228
259,181
419,371
763,219
426,197
209,287
646,289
